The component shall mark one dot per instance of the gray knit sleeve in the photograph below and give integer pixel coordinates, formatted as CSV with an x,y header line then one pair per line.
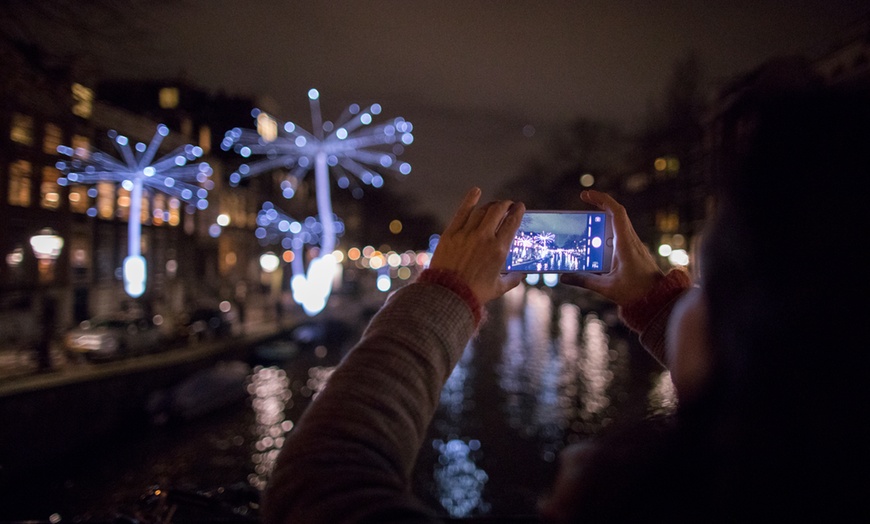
x,y
350,457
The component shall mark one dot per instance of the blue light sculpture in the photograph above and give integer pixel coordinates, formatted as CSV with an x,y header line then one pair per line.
x,y
273,227
136,173
352,147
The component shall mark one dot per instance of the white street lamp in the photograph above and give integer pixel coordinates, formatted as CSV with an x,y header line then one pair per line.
x,y
46,244
269,262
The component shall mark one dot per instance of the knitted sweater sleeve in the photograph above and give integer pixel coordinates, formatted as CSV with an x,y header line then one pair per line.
x,y
350,457
649,315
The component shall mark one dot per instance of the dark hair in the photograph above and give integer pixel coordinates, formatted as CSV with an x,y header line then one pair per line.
x,y
783,275
780,431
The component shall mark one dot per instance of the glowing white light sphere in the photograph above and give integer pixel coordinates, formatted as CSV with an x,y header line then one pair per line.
x,y
134,275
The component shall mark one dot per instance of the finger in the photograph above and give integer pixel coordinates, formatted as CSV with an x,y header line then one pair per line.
x,y
465,209
477,215
511,222
591,196
616,211
590,281
495,215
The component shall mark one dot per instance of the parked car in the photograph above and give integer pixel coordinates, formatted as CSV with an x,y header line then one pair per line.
x,y
113,337
207,323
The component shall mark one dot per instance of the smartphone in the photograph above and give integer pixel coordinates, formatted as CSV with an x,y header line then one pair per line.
x,y
562,242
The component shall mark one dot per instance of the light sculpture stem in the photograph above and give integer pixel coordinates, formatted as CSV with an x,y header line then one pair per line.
x,y
324,203
134,269
134,222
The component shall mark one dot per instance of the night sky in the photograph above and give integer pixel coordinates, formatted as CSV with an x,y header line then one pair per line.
x,y
471,75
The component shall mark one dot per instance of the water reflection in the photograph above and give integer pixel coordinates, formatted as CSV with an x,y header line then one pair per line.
x,y
594,365
270,393
271,397
557,381
662,397
562,374
458,481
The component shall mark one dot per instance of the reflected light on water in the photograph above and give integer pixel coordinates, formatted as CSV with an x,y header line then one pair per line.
x,y
527,366
270,393
269,389
458,481
594,364
317,378
558,383
662,397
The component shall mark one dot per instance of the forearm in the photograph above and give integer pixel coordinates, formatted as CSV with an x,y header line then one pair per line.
x,y
351,455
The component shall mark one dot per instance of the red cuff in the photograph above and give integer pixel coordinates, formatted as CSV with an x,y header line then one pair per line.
x,y
638,315
452,281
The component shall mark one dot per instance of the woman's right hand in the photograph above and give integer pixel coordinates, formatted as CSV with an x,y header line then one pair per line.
x,y
634,272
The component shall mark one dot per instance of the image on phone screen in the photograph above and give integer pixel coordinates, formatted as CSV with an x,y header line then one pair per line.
x,y
561,242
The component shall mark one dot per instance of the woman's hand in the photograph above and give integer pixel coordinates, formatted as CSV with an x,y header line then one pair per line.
x,y
634,272
476,243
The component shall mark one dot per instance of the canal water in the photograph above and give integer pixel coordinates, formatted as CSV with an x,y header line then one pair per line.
x,y
550,366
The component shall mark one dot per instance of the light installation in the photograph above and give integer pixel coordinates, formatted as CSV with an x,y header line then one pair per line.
x,y
175,174
276,227
352,147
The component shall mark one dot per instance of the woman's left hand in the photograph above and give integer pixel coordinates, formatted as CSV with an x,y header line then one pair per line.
x,y
476,243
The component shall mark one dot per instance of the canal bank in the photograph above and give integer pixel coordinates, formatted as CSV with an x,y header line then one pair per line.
x,y
47,416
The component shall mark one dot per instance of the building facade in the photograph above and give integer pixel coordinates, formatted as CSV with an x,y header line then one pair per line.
x,y
189,261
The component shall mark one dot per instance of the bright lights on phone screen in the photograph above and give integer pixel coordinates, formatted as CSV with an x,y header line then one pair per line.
x,y
558,242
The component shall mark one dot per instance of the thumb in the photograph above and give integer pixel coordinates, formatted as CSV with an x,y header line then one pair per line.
x,y
511,280
589,281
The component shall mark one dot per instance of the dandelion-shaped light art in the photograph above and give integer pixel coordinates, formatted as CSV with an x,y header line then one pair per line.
x,y
172,174
275,226
352,147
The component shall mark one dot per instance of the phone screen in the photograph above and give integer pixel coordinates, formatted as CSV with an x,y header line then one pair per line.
x,y
561,242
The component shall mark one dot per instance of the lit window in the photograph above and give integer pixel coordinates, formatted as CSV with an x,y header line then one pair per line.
x,y
21,130
79,202
145,209
83,101
174,211
169,97
667,221
187,127
105,199
19,183
205,139
49,190
122,209
53,139
157,217
267,127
